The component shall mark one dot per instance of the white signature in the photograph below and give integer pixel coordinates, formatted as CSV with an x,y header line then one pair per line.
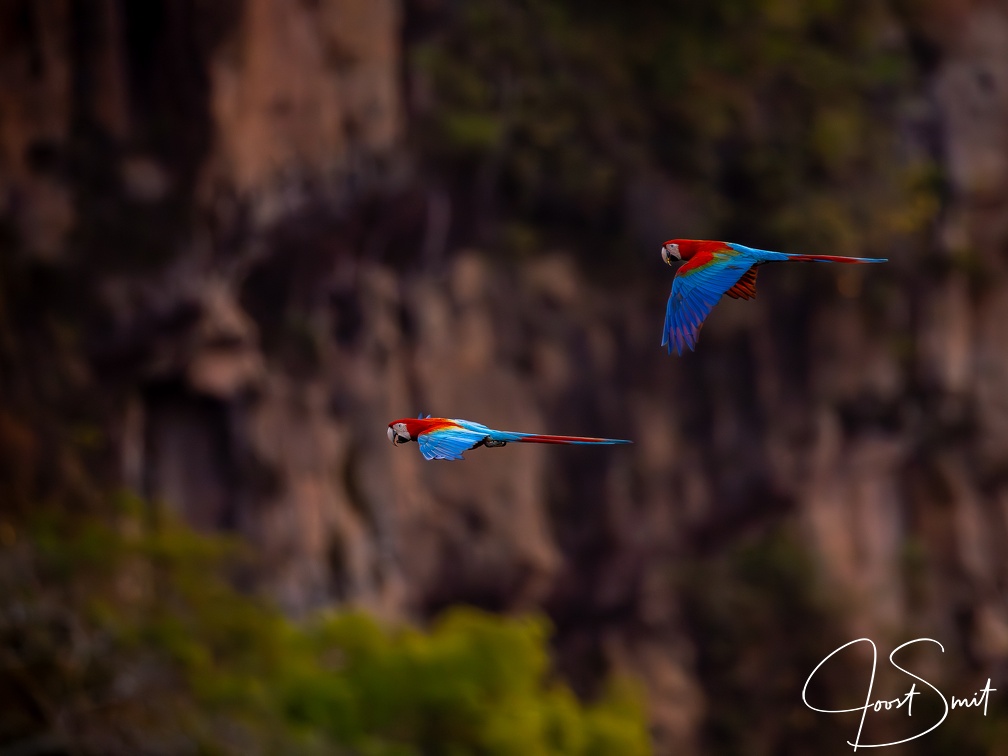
x,y
981,697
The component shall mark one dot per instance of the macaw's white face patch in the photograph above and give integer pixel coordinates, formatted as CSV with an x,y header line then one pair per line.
x,y
670,252
398,434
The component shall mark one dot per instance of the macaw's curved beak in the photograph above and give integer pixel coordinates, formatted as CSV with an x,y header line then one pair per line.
x,y
666,256
392,436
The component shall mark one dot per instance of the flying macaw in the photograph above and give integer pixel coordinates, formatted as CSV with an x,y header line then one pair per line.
x,y
442,438
711,269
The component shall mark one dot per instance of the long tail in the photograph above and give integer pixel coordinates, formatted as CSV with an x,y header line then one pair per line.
x,y
539,438
836,259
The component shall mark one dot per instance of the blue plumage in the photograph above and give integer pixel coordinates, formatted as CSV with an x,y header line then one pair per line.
x,y
710,270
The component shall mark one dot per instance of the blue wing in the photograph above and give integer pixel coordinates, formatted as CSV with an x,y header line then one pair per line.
x,y
699,285
695,291
449,443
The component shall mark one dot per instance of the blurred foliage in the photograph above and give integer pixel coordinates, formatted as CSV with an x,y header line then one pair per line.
x,y
125,635
780,118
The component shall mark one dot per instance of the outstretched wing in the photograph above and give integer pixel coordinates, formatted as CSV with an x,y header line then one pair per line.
x,y
449,442
696,288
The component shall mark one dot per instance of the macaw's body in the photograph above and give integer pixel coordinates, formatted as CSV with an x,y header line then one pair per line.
x,y
711,269
444,438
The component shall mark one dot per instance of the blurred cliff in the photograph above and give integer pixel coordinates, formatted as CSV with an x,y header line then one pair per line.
x,y
240,237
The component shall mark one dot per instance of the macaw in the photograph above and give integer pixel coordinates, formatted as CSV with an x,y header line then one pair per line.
x,y
711,269
442,438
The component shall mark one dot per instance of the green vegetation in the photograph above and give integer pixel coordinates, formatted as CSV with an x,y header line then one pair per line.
x,y
126,631
778,118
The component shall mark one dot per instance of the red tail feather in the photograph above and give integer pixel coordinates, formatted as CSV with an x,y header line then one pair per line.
x,y
544,439
834,258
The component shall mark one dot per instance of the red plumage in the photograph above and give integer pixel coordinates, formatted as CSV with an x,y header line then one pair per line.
x,y
417,425
746,286
830,258
539,438
690,248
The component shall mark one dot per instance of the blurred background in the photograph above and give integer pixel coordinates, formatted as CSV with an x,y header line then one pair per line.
x,y
237,238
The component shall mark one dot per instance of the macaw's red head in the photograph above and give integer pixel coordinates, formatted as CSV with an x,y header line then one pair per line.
x,y
683,249
411,428
398,433
670,251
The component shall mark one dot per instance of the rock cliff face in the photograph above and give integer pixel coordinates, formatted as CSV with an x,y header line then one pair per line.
x,y
259,339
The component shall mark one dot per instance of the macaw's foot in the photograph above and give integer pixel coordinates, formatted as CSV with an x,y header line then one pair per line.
x,y
490,443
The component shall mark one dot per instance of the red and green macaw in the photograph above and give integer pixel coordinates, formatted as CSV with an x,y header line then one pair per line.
x,y
443,438
711,269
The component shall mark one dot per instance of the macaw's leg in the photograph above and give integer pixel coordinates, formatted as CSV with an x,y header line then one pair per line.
x,y
491,444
